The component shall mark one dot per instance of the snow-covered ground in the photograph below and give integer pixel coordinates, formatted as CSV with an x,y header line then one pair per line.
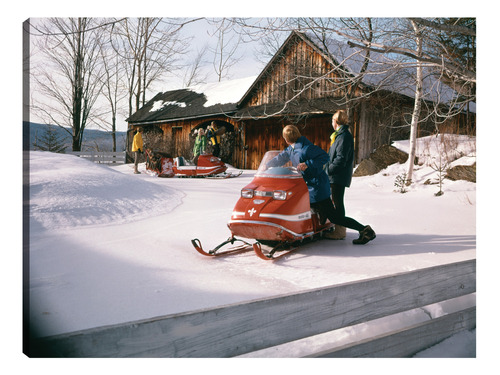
x,y
108,246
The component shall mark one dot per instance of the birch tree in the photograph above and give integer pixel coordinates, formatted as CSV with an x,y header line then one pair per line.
x,y
272,33
417,105
353,27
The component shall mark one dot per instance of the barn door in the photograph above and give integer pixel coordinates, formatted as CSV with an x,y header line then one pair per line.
x,y
176,141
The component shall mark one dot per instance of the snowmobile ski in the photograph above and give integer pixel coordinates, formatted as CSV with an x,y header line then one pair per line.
x,y
283,249
245,246
225,175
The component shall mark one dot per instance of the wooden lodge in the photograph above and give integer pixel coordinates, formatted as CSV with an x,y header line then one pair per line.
x,y
303,84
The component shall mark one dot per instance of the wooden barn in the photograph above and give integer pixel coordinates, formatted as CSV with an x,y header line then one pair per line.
x,y
170,119
303,84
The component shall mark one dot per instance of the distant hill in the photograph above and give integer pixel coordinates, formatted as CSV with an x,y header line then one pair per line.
x,y
92,139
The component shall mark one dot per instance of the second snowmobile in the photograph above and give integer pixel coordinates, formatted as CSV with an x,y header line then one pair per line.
x,y
274,210
207,165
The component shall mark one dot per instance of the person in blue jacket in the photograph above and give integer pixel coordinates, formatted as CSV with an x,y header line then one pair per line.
x,y
308,159
339,169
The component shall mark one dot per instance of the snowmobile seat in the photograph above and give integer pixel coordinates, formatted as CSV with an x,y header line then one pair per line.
x,y
181,162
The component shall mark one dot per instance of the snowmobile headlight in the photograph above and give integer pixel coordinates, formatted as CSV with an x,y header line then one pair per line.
x,y
246,193
279,195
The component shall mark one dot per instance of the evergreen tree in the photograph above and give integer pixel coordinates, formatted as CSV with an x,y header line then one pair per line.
x,y
50,141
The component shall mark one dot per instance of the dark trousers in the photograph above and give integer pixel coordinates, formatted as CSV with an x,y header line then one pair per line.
x,y
216,150
338,198
336,214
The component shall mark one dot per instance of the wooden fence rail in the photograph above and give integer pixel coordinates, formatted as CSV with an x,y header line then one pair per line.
x,y
241,328
106,157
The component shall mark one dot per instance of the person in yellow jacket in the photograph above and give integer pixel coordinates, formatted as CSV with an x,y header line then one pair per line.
x,y
214,138
137,147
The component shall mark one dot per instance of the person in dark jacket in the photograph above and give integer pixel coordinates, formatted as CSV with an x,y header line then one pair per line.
x,y
339,168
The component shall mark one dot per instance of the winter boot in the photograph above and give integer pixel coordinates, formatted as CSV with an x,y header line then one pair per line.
x,y
322,219
367,234
338,233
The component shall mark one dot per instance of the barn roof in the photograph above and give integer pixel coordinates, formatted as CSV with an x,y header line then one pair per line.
x,y
197,101
382,72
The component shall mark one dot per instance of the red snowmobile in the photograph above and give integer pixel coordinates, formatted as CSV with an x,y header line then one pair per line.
x,y
274,210
207,166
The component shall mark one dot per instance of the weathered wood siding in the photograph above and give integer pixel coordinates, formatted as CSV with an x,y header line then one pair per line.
x,y
290,77
264,135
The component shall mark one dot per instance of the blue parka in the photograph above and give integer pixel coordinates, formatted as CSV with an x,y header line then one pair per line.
x,y
341,158
303,151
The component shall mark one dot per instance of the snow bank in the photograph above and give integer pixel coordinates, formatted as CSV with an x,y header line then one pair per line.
x,y
63,191
447,146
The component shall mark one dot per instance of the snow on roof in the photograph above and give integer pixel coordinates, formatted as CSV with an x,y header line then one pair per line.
x,y
224,92
199,100
159,104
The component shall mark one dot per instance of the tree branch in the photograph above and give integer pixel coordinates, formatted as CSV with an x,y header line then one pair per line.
x,y
453,69
450,28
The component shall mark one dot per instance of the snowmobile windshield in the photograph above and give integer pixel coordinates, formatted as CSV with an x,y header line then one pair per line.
x,y
271,167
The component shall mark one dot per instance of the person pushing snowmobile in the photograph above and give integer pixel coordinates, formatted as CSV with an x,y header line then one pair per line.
x,y
308,159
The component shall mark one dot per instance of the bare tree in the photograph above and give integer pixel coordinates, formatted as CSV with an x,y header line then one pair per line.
x,y
150,48
412,57
114,87
355,27
225,51
194,74
69,76
272,33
